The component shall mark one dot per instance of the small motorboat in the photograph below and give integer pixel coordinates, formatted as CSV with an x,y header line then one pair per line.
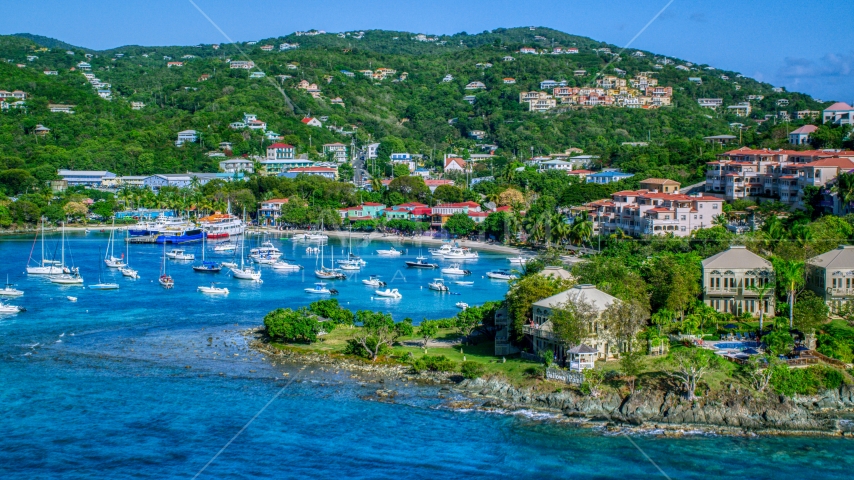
x,y
129,272
312,250
213,289
462,305
226,247
319,289
465,284
348,265
284,266
229,264
166,281
421,263
391,252
104,286
180,254
355,259
501,275
71,299
461,254
441,251
520,260
9,291
389,293
438,284
374,281
264,260
7,309
455,269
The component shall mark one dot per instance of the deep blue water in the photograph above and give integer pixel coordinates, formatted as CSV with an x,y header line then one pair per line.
x,y
148,383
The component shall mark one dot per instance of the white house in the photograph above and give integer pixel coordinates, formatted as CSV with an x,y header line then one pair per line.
x,y
186,136
840,113
338,151
312,122
236,165
403,159
455,164
60,108
801,136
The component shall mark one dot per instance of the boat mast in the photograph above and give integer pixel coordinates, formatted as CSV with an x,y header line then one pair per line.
x,y
54,252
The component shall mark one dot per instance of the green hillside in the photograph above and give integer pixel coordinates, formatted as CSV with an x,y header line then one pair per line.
x,y
420,113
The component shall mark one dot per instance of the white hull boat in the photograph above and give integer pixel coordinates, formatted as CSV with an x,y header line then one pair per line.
x,y
104,286
67,279
441,251
462,305
438,285
229,264
45,270
71,299
8,309
461,254
284,266
455,270
246,274
9,291
389,293
178,254
225,248
349,266
129,272
391,252
518,260
320,289
114,262
501,275
166,281
374,281
214,290
465,284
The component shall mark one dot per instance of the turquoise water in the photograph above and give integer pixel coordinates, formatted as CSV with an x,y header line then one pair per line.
x,y
144,383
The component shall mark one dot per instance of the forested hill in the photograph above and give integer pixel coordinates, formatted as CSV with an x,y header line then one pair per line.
x,y
419,112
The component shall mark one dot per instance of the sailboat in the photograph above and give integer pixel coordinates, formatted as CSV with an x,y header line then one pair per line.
x,y
9,291
165,279
103,285
126,270
45,267
72,275
243,272
206,266
109,256
352,262
328,273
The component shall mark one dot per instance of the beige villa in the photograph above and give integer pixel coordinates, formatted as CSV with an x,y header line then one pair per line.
x,y
831,276
597,346
730,280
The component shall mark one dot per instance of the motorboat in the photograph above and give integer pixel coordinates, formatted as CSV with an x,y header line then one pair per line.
x,y
438,284
319,289
229,264
45,266
213,289
264,260
421,263
441,251
225,247
312,250
104,286
71,299
520,260
461,254
455,269
389,293
110,259
9,291
156,227
222,225
462,305
180,234
464,284
374,281
6,309
266,250
179,254
391,252
501,275
285,266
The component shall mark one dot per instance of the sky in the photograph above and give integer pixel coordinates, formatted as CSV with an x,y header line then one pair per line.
x,y
803,46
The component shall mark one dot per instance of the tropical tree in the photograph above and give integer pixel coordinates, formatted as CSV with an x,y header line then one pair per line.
x,y
581,229
790,274
763,289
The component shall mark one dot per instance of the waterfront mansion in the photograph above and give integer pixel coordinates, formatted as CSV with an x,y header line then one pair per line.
x,y
732,281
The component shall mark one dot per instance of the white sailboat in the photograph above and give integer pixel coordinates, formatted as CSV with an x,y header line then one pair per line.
x,y
72,277
328,273
352,262
45,266
109,256
126,270
103,285
243,272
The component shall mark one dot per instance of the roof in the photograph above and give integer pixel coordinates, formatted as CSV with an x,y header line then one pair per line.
x,y
805,129
478,214
82,173
276,200
839,106
612,174
841,257
421,211
312,169
372,204
737,256
663,181
280,145
582,349
831,162
556,272
588,293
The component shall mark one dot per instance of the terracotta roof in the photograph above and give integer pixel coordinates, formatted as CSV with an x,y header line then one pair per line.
x,y
805,129
280,145
372,204
276,200
422,211
832,162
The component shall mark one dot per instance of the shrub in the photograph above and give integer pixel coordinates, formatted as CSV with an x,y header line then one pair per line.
x,y
439,363
805,381
472,370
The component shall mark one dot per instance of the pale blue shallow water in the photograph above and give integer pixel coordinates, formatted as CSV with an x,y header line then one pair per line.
x,y
100,389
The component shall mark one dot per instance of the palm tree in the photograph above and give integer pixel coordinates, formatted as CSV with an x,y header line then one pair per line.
x,y
582,228
376,184
619,235
560,230
534,227
790,273
844,188
763,289
802,234
720,221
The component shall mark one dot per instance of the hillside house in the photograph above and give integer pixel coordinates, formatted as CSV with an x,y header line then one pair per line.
x,y
840,113
174,64
84,178
60,108
237,165
240,64
137,105
475,86
311,122
338,151
730,279
455,164
831,276
326,172
270,210
186,136
403,159
608,176
801,136
509,81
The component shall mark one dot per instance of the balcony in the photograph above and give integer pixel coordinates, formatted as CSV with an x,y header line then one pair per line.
x,y
840,292
540,333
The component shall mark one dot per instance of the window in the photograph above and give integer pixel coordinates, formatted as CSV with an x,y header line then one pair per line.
x,y
714,206
683,217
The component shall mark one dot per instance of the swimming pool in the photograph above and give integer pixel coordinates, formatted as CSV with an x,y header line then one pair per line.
x,y
736,345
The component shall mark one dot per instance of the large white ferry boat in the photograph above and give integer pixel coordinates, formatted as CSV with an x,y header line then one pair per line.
x,y
222,225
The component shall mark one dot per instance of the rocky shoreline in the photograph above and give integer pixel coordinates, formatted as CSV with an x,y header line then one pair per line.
x,y
665,412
